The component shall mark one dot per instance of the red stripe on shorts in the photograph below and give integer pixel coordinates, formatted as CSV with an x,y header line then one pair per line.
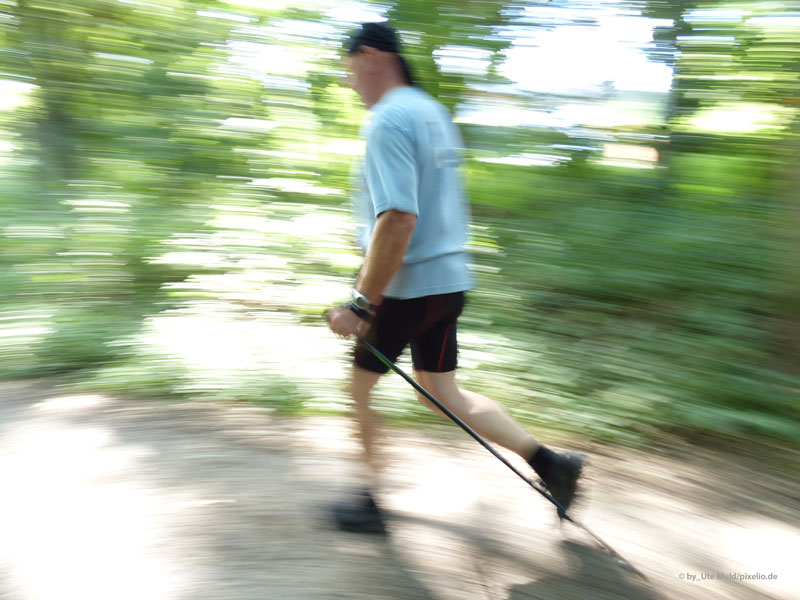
x,y
444,346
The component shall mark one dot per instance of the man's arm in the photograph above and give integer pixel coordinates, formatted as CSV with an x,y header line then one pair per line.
x,y
388,246
391,176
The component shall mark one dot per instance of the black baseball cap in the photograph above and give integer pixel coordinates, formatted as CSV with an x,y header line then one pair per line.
x,y
381,37
375,35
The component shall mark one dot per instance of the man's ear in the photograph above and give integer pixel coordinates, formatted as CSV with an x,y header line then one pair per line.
x,y
370,53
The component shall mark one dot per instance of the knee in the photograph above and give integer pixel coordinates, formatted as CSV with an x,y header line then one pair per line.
x,y
359,395
360,386
425,384
353,389
441,392
425,402
443,388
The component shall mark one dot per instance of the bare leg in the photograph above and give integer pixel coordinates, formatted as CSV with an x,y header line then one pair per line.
x,y
488,418
361,513
361,385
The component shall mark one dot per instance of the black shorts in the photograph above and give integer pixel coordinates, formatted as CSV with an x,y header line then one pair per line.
x,y
428,324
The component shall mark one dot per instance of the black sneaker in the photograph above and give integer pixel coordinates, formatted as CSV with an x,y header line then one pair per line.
x,y
359,515
562,479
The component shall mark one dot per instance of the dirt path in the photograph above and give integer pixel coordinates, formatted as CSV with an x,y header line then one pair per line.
x,y
103,498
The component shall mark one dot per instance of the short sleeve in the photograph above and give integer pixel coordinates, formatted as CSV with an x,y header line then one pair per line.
x,y
390,170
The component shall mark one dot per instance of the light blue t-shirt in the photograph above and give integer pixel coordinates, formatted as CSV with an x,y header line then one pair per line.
x,y
411,164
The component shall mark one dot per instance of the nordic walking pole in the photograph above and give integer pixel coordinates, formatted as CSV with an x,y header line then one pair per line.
x,y
461,424
561,510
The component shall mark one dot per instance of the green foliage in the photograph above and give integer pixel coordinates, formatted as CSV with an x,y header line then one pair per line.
x,y
193,158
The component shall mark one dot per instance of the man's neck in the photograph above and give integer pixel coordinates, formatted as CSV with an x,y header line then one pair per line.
x,y
385,89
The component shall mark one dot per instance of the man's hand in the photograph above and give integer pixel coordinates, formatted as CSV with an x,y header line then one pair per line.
x,y
344,322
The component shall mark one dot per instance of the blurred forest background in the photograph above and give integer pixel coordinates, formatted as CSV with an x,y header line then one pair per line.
x,y
174,204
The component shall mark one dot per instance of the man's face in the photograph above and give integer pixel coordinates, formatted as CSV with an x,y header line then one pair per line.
x,y
366,69
357,77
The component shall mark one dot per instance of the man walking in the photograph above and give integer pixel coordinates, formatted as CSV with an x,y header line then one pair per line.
x,y
410,290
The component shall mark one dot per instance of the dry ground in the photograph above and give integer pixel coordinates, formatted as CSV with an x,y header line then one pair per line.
x,y
113,499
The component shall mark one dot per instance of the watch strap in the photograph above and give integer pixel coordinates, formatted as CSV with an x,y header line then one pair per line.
x,y
361,313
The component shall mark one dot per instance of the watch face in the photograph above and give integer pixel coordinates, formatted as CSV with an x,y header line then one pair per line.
x,y
361,302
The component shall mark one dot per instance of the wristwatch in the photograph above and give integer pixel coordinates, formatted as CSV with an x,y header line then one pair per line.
x,y
361,301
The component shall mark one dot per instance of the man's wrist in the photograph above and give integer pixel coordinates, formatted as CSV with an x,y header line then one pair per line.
x,y
360,301
361,313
